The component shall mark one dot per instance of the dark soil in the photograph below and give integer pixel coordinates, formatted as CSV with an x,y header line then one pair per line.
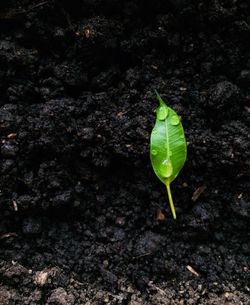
x,y
83,218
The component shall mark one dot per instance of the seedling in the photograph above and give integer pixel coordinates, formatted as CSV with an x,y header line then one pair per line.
x,y
168,148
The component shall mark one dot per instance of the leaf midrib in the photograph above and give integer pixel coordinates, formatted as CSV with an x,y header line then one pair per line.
x,y
167,137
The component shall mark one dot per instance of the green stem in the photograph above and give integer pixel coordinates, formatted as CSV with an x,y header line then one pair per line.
x,y
170,200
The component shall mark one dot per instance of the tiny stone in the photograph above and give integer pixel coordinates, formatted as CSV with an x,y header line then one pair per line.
x,y
9,150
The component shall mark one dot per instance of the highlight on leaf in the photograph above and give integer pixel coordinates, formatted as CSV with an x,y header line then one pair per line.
x,y
168,149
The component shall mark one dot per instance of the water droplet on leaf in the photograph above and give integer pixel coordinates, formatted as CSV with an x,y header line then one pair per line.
x,y
162,113
154,152
175,120
166,168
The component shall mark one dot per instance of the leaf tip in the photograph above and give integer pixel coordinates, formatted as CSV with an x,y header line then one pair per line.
x,y
159,98
157,95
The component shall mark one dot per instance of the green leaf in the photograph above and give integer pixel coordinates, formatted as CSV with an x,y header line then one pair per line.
x,y
168,148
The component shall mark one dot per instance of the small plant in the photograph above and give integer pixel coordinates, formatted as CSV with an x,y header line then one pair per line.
x,y
168,149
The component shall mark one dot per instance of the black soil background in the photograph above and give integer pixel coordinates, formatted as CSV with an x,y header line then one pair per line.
x,y
83,219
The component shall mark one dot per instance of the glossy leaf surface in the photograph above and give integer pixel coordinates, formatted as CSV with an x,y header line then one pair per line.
x,y
168,149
